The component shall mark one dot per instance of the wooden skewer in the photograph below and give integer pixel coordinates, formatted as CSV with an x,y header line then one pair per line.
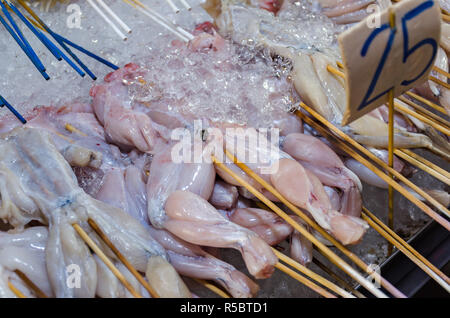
x,y
305,270
294,264
387,285
72,129
212,288
106,260
426,112
327,252
441,71
391,236
445,17
378,172
362,160
335,71
444,129
422,166
122,258
337,278
304,281
309,273
410,153
426,102
391,233
438,81
64,137
16,292
39,293
405,251
422,118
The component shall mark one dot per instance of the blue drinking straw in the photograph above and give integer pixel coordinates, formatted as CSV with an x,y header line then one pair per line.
x,y
3,102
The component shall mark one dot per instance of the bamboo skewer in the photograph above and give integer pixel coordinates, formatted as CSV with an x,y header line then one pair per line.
x,y
212,288
122,258
423,118
392,237
378,172
445,17
16,292
72,129
426,112
405,251
306,271
39,293
410,153
335,71
304,280
330,254
106,260
438,81
441,71
422,166
315,226
337,278
362,160
426,102
399,240
391,145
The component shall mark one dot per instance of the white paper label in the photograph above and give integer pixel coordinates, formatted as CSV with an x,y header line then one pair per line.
x,y
377,59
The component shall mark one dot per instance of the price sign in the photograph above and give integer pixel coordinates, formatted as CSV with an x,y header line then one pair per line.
x,y
385,56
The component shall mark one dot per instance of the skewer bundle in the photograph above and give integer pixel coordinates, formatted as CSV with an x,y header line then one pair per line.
x,y
44,33
60,47
353,149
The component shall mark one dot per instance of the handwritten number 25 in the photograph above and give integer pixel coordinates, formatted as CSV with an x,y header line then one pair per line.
x,y
406,50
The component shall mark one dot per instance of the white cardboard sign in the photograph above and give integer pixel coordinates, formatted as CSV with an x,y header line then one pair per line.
x,y
377,59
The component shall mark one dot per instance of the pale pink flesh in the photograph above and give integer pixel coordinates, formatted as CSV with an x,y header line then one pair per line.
x,y
293,183
224,195
194,220
123,125
167,176
301,248
324,163
270,227
192,261
334,197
